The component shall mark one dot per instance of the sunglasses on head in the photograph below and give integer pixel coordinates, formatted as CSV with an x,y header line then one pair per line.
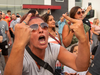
x,y
79,12
0,13
36,26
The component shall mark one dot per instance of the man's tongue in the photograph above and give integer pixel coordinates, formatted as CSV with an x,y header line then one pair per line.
x,y
42,41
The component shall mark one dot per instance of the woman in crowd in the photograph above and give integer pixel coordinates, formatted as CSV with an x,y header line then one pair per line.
x,y
53,34
96,32
67,34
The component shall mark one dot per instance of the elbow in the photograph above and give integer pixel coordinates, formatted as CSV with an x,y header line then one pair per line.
x,y
66,43
83,68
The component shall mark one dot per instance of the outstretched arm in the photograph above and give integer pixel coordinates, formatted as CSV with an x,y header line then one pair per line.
x,y
67,36
14,65
87,10
83,57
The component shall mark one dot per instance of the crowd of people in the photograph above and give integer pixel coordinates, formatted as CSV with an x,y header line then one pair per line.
x,y
39,49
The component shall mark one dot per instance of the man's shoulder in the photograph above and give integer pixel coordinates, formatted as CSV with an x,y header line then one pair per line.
x,y
4,22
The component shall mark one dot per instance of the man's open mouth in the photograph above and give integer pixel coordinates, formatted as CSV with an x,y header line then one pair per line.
x,y
42,39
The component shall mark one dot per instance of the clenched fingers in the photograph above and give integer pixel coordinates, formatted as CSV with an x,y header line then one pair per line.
x,y
70,19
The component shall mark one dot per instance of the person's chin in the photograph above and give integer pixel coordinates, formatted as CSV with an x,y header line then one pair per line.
x,y
43,47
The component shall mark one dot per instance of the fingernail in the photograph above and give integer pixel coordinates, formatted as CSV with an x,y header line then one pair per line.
x,y
30,13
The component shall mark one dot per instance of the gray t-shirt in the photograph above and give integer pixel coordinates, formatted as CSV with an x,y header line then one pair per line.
x,y
30,67
13,23
3,27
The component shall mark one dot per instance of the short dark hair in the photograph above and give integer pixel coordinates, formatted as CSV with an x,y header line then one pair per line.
x,y
73,11
8,11
45,17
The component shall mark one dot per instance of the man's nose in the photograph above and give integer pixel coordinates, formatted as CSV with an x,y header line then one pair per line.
x,y
40,29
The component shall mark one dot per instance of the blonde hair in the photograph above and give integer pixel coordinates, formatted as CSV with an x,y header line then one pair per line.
x,y
95,20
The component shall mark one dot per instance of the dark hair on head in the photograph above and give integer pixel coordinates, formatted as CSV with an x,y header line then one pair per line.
x,y
33,15
72,48
13,14
45,17
8,11
32,11
73,11
17,16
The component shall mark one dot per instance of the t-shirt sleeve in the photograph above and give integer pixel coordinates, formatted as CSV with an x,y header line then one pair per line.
x,y
86,28
6,26
93,26
55,48
25,65
11,24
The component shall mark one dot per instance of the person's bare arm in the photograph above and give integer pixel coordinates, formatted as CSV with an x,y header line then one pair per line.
x,y
12,30
67,36
87,10
14,64
94,31
83,57
1,38
9,37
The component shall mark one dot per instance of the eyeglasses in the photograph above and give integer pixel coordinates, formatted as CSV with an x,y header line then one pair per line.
x,y
0,13
36,26
79,12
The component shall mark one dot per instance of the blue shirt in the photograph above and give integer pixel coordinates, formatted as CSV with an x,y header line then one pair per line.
x,y
61,25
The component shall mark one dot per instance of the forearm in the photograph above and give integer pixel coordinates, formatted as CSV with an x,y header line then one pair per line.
x,y
8,34
67,40
95,33
14,65
12,30
86,12
83,58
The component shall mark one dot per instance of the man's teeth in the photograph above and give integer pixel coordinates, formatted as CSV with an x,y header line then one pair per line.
x,y
42,42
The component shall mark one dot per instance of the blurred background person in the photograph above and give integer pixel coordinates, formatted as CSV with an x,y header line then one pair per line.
x,y
53,34
6,19
13,23
17,15
5,33
8,14
96,32
61,24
